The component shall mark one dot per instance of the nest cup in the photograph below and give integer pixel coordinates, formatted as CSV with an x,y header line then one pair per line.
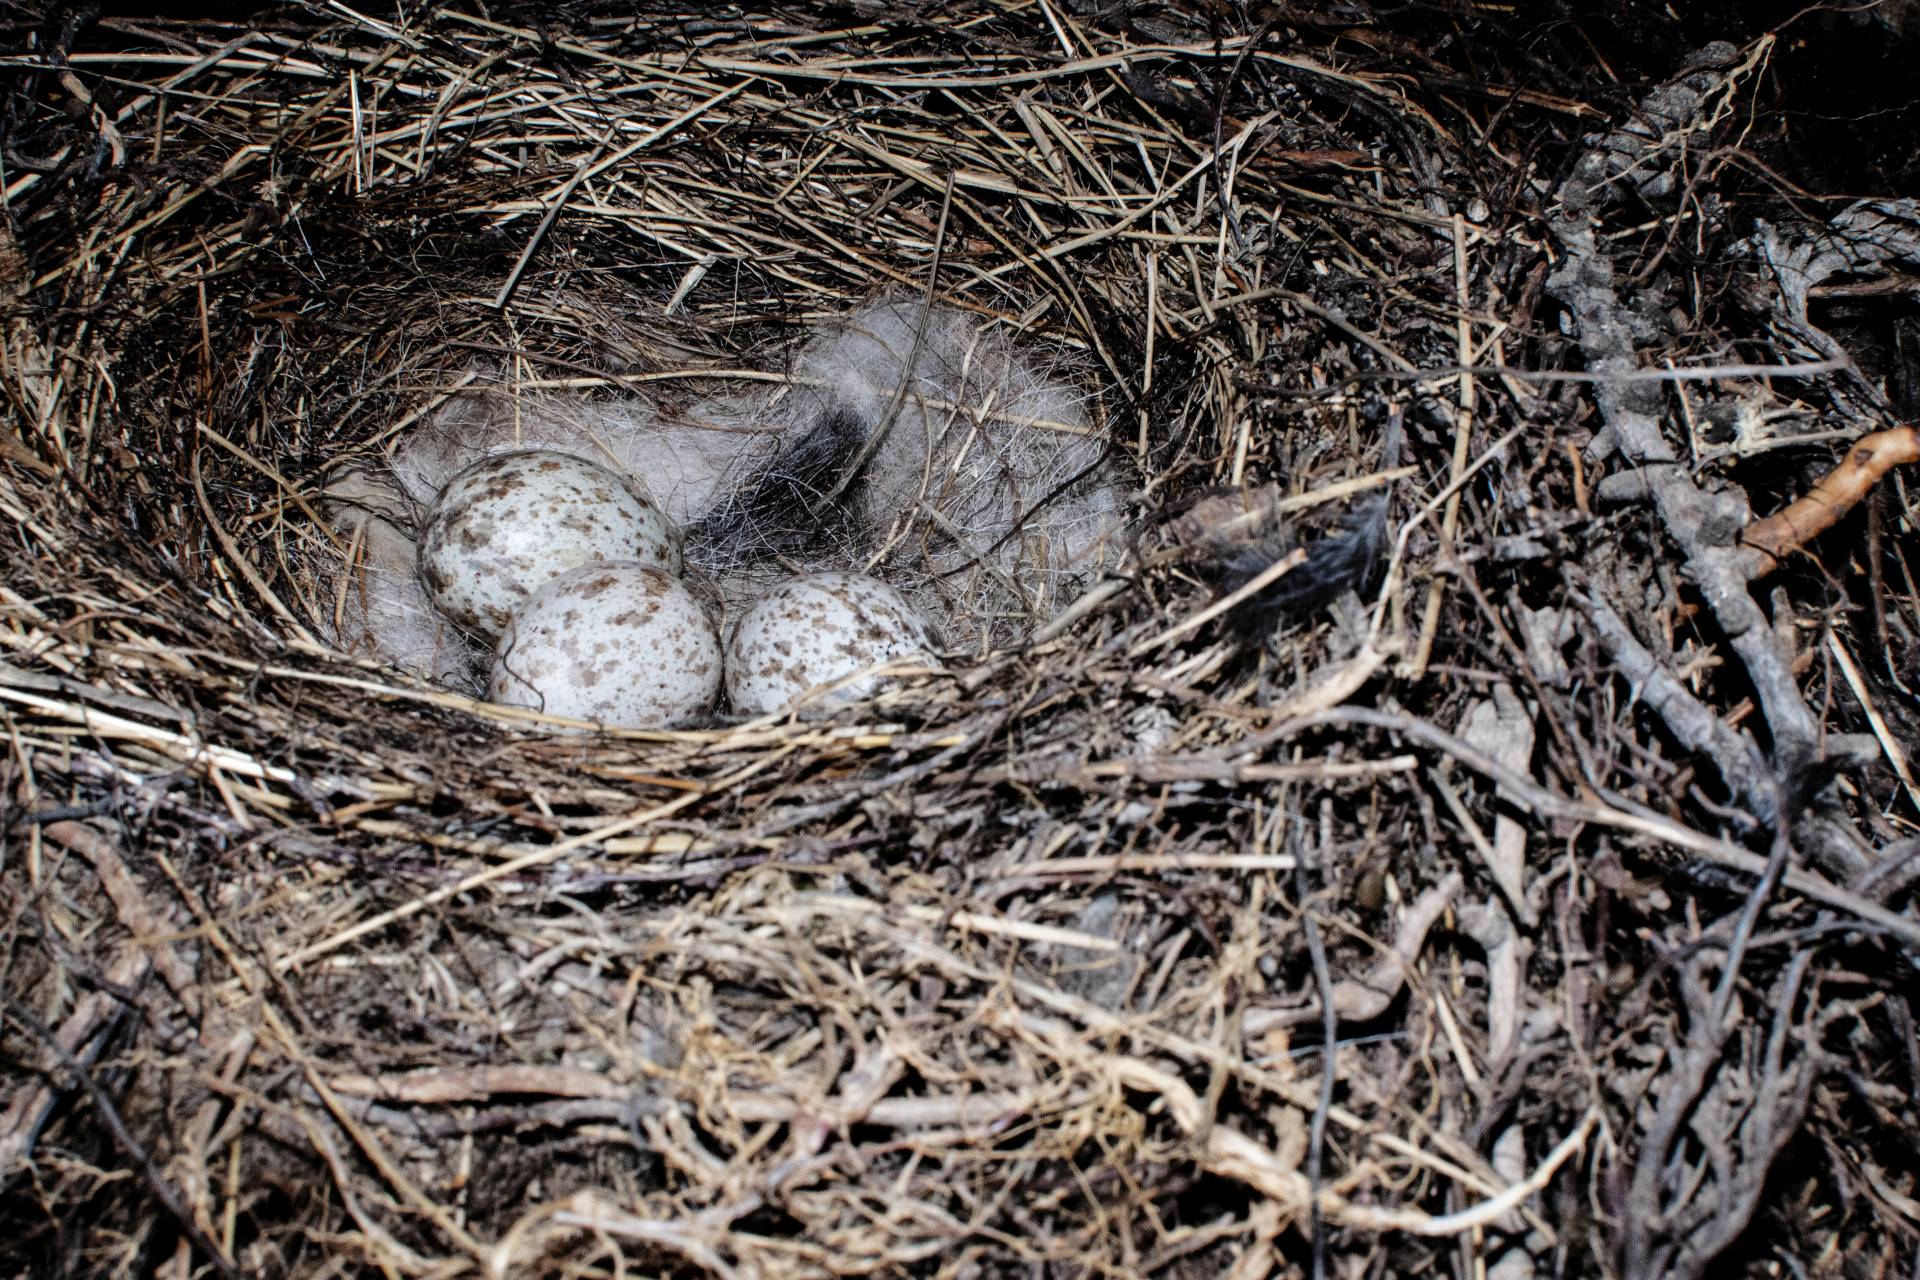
x,y
905,441
595,963
364,889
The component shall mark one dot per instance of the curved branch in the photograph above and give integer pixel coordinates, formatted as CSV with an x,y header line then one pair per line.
x,y
1839,491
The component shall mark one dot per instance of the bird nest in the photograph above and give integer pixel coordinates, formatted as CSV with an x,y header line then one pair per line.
x,y
1472,828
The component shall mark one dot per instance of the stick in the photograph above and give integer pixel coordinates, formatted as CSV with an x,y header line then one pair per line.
x,y
1836,493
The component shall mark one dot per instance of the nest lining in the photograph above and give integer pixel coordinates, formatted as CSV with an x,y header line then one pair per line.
x,y
905,441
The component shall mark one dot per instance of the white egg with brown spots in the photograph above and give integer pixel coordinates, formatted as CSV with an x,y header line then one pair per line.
x,y
627,645
512,522
817,630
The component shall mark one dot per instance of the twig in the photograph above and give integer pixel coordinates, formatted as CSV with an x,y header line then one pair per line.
x,y
1329,1040
103,1106
1539,800
1462,449
1695,520
1805,518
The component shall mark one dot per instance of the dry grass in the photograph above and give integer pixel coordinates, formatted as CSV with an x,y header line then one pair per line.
x,y
1030,968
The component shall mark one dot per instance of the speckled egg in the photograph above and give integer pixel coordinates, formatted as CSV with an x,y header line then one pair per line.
x,y
811,630
625,644
513,521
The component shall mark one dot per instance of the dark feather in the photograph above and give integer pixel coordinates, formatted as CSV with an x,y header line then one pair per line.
x,y
1342,561
783,510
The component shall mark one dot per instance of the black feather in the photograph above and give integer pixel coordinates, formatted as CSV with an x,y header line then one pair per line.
x,y
783,510
1346,560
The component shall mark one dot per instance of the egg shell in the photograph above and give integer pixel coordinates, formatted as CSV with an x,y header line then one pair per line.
x,y
513,521
814,629
624,644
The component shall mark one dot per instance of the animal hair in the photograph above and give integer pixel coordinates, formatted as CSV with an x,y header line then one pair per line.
x,y
681,461
382,610
785,508
987,497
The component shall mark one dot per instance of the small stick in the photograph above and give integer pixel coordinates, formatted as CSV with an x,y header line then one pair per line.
x,y
239,560
1462,441
1889,742
1273,573
534,241
1836,493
